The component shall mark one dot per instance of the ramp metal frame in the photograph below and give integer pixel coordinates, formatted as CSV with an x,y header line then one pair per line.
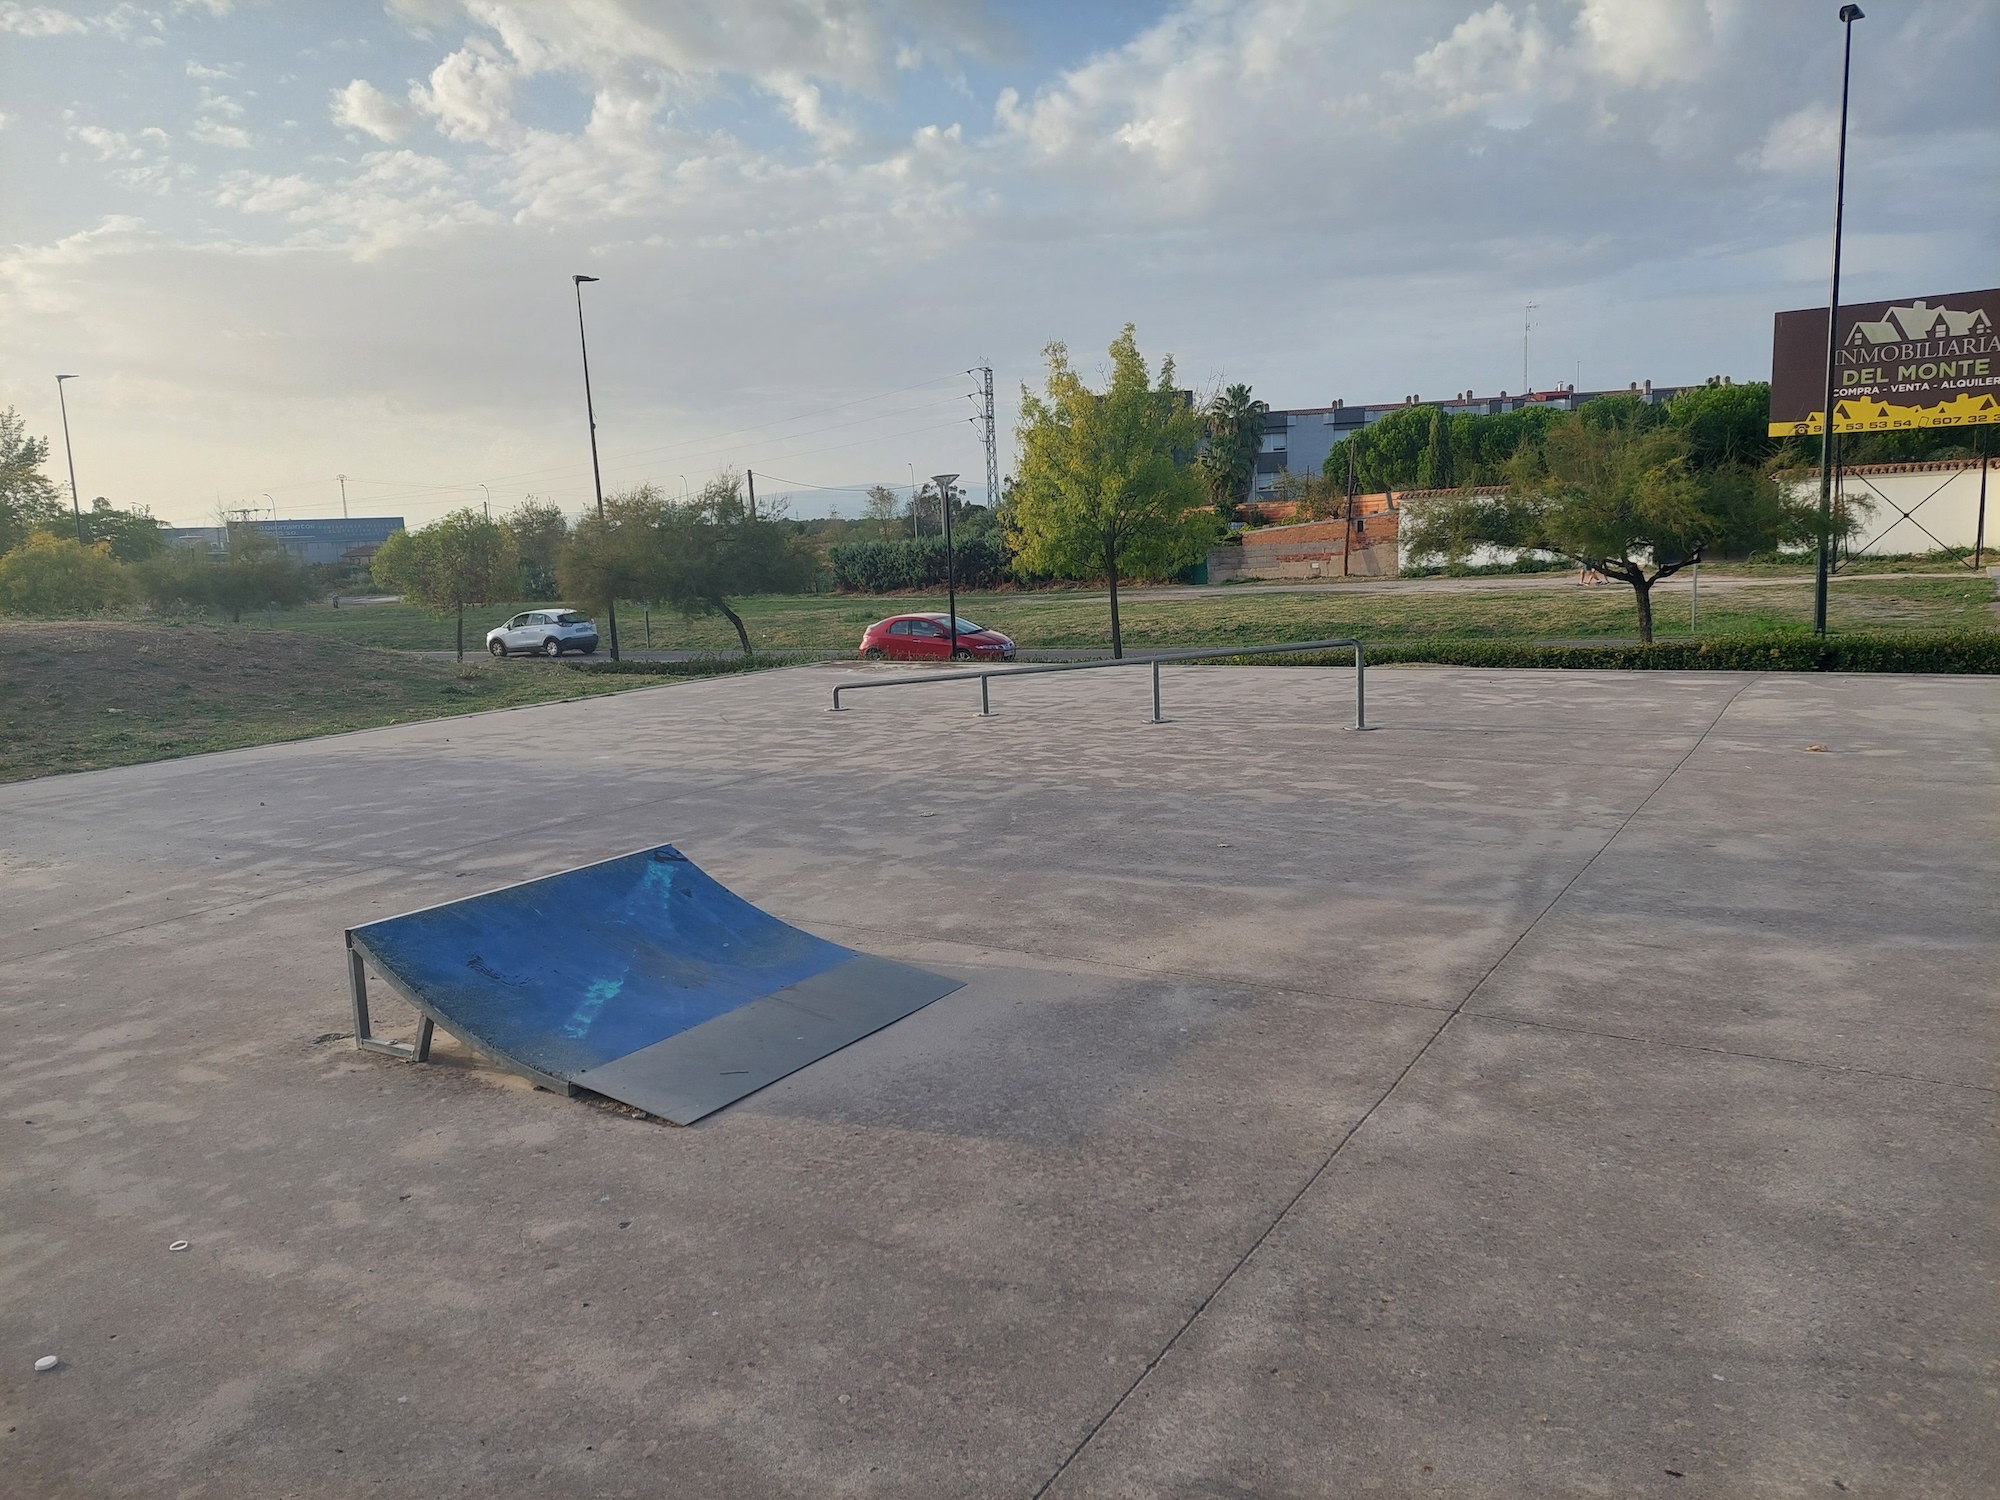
x,y
360,960
1219,653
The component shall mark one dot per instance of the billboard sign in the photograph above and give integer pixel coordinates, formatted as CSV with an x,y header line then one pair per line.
x,y
1927,362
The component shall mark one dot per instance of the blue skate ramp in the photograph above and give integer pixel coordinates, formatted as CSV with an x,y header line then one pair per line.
x,y
639,978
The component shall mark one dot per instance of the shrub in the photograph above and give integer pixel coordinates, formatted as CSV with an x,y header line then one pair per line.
x,y
1944,651
913,563
697,666
51,575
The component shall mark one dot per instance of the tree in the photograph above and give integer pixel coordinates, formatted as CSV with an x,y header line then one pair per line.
x,y
714,549
539,529
133,534
882,503
255,573
1235,423
1615,486
29,501
1411,447
692,556
1312,498
1104,484
57,575
463,558
1437,468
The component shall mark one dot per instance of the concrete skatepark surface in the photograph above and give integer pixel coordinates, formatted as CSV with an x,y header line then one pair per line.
x,y
1576,1087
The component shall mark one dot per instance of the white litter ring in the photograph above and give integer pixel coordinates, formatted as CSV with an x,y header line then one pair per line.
x,y
46,1363
178,1245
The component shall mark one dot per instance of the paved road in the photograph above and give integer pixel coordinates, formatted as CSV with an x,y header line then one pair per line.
x,y
1580,1086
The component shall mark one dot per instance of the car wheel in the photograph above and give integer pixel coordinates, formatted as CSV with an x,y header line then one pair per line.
x,y
961,654
496,648
874,653
552,647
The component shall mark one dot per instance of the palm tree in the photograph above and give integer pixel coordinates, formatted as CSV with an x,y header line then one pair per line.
x,y
1235,433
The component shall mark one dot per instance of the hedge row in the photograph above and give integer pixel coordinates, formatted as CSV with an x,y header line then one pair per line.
x,y
918,563
1953,651
698,666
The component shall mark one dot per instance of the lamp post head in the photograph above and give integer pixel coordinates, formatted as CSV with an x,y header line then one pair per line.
x,y
61,378
580,280
943,482
1852,13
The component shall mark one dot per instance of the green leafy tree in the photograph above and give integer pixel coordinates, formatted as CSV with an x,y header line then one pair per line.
x,y
1437,468
1614,486
133,534
1412,446
1235,424
691,556
539,529
57,575
613,555
463,558
715,549
1104,486
29,500
255,573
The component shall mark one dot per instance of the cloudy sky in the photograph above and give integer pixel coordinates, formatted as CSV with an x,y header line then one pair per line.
x,y
282,241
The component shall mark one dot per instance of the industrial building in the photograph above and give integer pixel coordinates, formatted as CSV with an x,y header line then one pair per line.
x,y
349,540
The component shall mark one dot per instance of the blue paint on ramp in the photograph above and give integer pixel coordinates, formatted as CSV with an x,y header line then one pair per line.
x,y
589,967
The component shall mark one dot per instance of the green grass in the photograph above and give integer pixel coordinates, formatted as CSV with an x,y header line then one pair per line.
x,y
1179,618
75,696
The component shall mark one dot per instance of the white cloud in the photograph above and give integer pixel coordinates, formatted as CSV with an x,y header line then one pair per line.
x,y
396,197
41,20
1802,141
215,122
780,206
361,106
204,71
470,95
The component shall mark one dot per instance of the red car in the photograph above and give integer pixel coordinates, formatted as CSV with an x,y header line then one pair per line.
x,y
928,638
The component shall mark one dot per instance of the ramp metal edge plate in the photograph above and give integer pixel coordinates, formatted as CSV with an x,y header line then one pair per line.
x,y
698,1071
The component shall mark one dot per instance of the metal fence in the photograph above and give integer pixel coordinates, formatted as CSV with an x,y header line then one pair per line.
x,y
1220,653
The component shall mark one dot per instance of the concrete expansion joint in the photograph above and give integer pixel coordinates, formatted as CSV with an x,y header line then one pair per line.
x,y
1397,1082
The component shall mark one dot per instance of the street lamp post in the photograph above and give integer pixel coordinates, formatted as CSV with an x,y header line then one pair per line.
x,y
1849,14
486,505
75,504
596,473
943,483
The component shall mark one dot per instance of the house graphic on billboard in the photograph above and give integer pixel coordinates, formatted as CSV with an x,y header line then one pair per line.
x,y
1920,321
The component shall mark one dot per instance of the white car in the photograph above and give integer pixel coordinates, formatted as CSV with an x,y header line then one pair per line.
x,y
548,631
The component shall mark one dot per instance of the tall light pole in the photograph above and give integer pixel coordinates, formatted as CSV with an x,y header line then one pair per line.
x,y
943,483
1527,314
75,504
343,495
596,473
1849,14
274,504
486,505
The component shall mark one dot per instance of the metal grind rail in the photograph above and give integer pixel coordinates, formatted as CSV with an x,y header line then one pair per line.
x,y
1219,653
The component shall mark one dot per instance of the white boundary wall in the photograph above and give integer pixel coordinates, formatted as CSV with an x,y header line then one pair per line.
x,y
1941,498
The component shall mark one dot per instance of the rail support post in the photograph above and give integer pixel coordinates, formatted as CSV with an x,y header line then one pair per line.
x,y
1156,695
1360,687
985,706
